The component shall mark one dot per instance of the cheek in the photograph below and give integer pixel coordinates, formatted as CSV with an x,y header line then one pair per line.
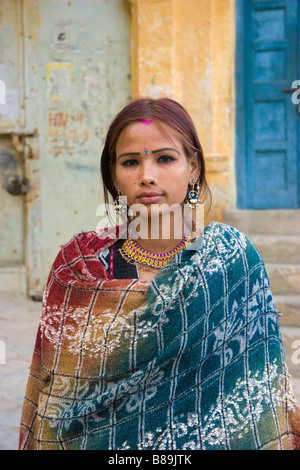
x,y
119,177
127,188
178,191
180,187
180,180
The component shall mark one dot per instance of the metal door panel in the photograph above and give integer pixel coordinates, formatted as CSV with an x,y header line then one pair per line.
x,y
72,65
84,66
11,62
11,206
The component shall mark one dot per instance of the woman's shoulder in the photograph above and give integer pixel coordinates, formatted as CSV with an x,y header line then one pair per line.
x,y
220,230
82,249
95,240
229,241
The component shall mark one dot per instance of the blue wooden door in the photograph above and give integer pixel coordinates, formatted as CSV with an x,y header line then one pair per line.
x,y
268,122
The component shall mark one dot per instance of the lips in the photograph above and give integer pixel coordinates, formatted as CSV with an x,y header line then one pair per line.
x,y
149,197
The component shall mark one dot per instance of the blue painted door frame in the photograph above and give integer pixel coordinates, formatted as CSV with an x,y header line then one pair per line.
x,y
267,121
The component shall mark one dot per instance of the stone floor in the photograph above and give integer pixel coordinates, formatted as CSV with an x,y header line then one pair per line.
x,y
18,325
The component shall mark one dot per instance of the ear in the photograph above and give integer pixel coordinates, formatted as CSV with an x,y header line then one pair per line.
x,y
113,177
195,166
115,183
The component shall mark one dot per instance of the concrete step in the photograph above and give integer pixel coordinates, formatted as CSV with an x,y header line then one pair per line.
x,y
264,222
289,307
290,341
284,278
296,388
291,345
276,235
13,280
278,249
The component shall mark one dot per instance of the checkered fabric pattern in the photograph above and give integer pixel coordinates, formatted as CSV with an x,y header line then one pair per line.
x,y
191,360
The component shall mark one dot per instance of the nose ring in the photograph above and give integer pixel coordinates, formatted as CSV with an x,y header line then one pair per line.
x,y
150,181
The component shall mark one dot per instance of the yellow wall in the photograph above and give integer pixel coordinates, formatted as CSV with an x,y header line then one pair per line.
x,y
184,49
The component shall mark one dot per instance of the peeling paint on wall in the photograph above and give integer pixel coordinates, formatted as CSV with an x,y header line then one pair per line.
x,y
9,99
2,92
66,133
94,80
58,77
2,84
2,352
11,107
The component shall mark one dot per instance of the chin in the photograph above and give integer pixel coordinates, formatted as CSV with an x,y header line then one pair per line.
x,y
174,210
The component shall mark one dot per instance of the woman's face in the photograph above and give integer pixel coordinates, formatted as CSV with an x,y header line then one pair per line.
x,y
151,166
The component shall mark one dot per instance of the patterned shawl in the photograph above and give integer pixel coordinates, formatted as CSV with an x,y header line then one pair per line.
x,y
192,360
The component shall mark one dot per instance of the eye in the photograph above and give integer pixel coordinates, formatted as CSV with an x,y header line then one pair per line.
x,y
130,162
165,159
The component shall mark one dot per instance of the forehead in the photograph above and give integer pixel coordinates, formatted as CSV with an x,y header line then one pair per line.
x,y
151,135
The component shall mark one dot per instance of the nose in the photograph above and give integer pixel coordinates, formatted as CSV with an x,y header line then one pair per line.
x,y
147,175
148,180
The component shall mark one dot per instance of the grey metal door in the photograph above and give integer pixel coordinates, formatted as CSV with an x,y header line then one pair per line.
x,y
67,71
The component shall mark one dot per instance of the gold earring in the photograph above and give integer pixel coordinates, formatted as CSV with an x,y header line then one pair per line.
x,y
193,199
120,206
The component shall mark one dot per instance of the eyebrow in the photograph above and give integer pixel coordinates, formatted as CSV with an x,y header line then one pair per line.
x,y
164,149
129,154
135,154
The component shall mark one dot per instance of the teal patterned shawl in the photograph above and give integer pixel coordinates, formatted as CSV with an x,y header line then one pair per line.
x,y
192,360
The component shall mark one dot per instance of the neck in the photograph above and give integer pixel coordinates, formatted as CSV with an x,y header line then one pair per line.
x,y
156,237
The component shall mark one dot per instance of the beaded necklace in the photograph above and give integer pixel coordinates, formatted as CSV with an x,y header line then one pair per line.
x,y
133,253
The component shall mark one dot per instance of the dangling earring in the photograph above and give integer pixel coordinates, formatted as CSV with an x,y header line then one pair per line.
x,y
120,206
194,195
195,213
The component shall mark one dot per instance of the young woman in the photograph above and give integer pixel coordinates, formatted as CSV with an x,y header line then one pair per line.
x,y
153,342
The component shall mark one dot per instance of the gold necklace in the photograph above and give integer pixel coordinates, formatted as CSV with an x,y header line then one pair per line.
x,y
134,253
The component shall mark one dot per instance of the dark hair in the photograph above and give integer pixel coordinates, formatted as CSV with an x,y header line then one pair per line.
x,y
164,110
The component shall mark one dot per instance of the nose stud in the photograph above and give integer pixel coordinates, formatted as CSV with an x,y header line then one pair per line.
x,y
150,181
